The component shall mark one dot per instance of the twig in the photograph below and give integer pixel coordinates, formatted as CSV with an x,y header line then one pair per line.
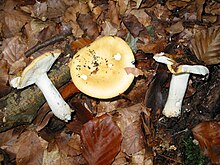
x,y
64,33
169,158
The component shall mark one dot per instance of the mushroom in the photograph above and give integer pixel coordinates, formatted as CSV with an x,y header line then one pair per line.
x,y
36,73
178,84
98,70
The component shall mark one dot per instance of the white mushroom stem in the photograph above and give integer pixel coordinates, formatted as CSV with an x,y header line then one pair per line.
x,y
178,83
176,94
58,106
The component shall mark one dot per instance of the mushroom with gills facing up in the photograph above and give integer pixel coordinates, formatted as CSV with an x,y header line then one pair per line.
x,y
99,70
36,73
178,83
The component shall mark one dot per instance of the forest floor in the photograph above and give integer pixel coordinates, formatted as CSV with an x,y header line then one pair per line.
x,y
129,128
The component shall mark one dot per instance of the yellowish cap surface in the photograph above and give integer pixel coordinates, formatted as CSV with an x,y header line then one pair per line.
x,y
98,69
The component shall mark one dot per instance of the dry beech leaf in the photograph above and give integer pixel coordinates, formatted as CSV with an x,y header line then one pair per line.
x,y
9,138
129,121
30,148
206,45
83,115
142,16
133,25
138,3
55,9
153,97
208,135
175,28
113,13
80,43
213,8
101,139
13,53
68,145
70,16
135,71
148,3
66,150
15,20
4,87
14,49
89,26
34,29
120,159
108,29
161,12
133,138
172,4
125,116
40,10
199,8
96,10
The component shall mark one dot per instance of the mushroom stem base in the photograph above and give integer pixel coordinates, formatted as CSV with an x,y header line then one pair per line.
x,y
176,94
58,106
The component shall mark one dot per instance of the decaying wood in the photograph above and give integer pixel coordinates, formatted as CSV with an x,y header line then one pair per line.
x,y
20,106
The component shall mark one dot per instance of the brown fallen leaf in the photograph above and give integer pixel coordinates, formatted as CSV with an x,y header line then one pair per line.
x,y
153,97
55,8
30,148
70,16
4,86
113,13
64,149
129,121
80,43
148,3
172,4
15,20
199,8
206,45
101,140
14,49
13,53
210,18
47,9
108,29
213,8
68,145
175,28
142,16
89,26
208,136
120,159
83,115
133,138
133,25
39,31
135,71
161,12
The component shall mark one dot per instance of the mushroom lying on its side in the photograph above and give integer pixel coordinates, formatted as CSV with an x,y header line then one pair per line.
x,y
178,84
36,73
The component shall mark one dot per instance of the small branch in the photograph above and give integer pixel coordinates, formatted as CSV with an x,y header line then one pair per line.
x,y
60,37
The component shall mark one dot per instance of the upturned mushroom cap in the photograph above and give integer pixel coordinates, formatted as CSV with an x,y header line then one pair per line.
x,y
178,83
38,66
183,68
98,70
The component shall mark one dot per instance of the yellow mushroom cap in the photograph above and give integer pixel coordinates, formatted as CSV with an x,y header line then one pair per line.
x,y
98,70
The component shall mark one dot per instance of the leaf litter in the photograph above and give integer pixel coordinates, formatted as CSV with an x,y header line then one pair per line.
x,y
129,129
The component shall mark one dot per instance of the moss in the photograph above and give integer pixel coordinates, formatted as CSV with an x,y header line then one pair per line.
x,y
192,155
